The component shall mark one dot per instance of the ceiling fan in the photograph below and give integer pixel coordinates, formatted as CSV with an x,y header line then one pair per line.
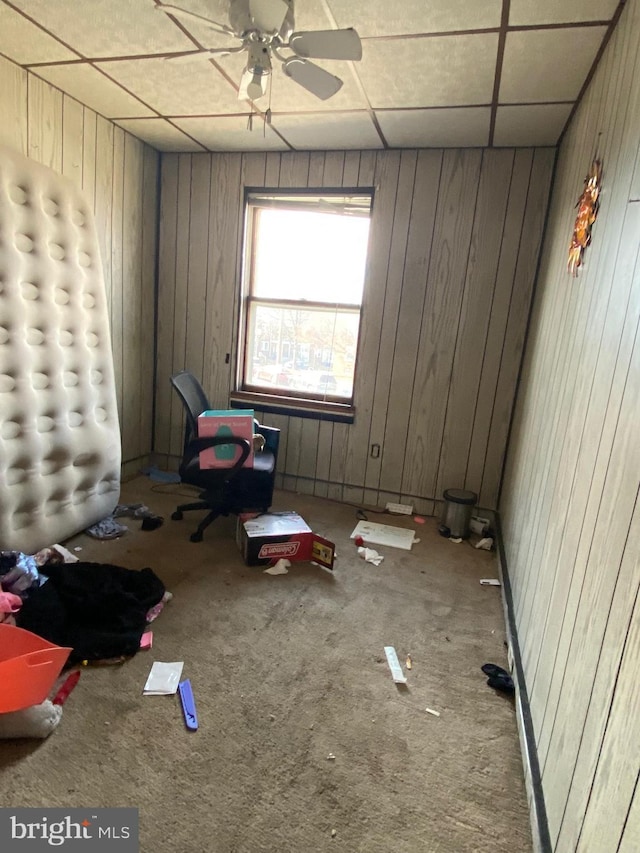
x,y
266,29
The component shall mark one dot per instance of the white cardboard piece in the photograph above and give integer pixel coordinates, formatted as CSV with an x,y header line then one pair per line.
x,y
394,665
384,534
163,678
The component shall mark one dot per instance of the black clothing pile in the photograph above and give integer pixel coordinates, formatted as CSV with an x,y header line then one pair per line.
x,y
97,609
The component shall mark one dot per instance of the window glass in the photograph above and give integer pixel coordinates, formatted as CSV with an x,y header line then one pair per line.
x,y
303,286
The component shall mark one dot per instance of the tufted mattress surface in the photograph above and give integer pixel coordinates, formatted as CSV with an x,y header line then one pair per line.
x,y
59,432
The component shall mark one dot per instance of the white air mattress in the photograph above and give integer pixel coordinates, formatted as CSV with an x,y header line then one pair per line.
x,y
59,432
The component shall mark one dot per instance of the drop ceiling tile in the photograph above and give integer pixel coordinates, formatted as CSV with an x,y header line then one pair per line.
x,y
531,124
429,72
215,10
92,88
174,87
436,128
329,131
24,42
549,65
380,18
159,133
107,27
526,12
230,133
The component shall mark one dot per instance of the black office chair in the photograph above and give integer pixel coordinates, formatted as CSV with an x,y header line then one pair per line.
x,y
225,491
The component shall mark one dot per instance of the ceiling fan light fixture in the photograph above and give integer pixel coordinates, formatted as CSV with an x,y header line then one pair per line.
x,y
252,86
258,59
254,89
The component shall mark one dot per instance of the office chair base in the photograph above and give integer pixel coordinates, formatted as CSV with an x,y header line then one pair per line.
x,y
196,536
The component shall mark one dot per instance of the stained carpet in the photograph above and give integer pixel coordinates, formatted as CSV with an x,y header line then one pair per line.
x,y
305,743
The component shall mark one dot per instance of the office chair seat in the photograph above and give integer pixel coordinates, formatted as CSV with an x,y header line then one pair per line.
x,y
247,482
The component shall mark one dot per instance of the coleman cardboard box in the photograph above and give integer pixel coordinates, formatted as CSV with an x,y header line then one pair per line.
x,y
267,538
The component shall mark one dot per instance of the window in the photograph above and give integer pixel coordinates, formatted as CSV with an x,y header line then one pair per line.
x,y
305,258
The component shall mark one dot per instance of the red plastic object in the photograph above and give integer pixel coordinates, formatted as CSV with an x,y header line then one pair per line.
x,y
359,541
29,667
69,683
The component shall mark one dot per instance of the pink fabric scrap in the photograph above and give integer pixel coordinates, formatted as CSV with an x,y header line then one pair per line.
x,y
9,603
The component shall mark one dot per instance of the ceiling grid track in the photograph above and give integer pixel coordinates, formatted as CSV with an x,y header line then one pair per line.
x,y
504,73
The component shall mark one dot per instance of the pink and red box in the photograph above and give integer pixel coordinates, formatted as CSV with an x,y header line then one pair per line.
x,y
226,422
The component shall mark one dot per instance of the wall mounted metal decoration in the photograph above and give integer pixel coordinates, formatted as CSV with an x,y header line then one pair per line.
x,y
587,205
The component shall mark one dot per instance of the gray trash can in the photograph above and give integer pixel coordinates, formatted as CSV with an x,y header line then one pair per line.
x,y
456,513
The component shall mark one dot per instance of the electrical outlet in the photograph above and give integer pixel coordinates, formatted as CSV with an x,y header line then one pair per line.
x,y
400,509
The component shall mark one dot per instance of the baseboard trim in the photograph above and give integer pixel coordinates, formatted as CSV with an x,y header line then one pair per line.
x,y
533,782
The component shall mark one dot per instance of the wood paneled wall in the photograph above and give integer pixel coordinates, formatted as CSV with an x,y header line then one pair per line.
x,y
118,174
570,509
455,238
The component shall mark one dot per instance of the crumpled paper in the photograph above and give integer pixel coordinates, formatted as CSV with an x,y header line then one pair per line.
x,y
280,568
370,555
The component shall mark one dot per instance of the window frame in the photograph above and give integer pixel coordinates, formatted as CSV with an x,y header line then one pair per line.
x,y
320,406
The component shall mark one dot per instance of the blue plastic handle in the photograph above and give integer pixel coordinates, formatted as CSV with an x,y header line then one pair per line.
x,y
188,704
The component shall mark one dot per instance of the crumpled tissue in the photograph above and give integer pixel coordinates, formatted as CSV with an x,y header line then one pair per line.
x,y
370,555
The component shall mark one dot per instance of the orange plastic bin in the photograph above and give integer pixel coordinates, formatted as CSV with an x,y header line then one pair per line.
x,y
29,667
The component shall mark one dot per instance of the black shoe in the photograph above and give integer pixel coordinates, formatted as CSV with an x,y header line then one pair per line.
x,y
493,669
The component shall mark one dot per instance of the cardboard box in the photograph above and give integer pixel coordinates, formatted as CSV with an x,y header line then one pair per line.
x,y
264,539
227,422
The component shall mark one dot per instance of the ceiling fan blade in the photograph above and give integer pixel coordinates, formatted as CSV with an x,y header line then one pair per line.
x,y
327,44
252,86
313,78
178,12
268,15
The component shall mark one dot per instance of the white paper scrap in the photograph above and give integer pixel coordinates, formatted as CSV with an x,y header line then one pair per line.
x,y
478,525
280,568
384,534
66,555
163,678
490,582
394,665
432,712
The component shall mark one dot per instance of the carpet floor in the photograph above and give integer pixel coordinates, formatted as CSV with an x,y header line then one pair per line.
x,y
305,743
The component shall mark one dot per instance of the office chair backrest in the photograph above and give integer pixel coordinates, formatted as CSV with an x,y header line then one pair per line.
x,y
194,399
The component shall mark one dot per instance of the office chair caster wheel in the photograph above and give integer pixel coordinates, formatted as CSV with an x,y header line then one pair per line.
x,y
177,515
196,537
